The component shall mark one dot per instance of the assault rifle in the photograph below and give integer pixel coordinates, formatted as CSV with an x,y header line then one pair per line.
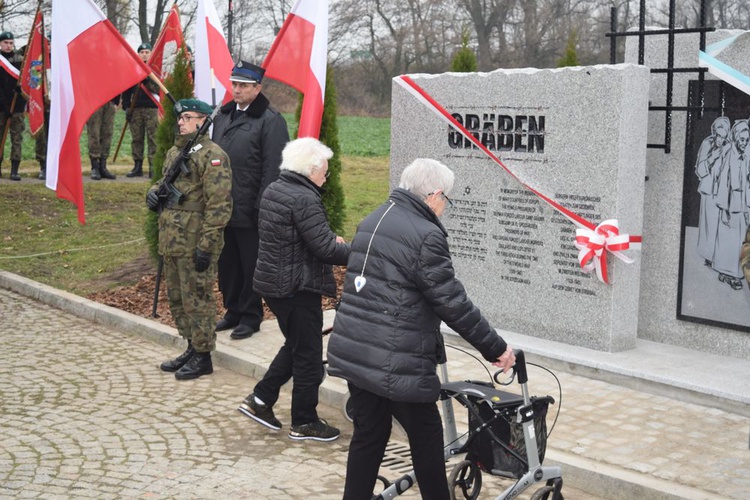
x,y
170,196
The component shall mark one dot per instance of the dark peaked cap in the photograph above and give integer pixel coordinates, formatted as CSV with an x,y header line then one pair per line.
x,y
247,72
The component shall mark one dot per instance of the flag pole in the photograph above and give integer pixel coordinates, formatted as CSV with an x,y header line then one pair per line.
x,y
230,23
159,271
163,88
213,89
122,135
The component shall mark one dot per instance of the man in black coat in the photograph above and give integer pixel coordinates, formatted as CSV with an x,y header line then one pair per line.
x,y
386,341
253,134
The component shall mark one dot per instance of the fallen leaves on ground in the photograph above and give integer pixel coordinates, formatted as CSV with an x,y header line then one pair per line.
x,y
138,299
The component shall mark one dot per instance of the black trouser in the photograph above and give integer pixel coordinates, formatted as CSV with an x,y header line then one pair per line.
x,y
301,357
372,427
236,269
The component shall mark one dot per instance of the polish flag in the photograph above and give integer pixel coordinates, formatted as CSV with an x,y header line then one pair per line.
x,y
91,64
213,62
9,68
298,57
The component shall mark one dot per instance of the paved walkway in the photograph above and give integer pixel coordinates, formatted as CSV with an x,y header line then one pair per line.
x,y
86,413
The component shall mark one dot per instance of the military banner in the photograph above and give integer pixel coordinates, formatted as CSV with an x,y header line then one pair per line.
x,y
33,73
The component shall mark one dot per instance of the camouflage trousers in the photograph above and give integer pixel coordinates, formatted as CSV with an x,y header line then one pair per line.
x,y
17,127
100,129
143,127
192,301
40,143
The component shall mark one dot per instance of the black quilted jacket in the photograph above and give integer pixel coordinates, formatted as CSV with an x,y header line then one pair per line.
x,y
386,338
297,247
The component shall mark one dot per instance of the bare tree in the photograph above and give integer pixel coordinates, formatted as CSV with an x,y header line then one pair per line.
x,y
17,16
488,18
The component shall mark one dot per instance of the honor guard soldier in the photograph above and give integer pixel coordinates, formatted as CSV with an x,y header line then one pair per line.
x,y
12,105
194,206
139,103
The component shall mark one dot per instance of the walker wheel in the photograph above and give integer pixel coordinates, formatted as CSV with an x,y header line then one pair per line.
x,y
543,493
465,481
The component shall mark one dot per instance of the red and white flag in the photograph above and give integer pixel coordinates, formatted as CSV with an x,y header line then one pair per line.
x,y
298,57
167,46
213,62
81,84
33,73
9,68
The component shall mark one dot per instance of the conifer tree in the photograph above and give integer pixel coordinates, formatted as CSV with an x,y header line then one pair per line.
x,y
180,85
333,198
570,58
464,60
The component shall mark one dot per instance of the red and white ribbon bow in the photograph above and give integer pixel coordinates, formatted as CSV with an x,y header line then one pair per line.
x,y
591,245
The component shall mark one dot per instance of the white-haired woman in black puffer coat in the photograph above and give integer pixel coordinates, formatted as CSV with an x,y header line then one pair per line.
x,y
293,272
386,339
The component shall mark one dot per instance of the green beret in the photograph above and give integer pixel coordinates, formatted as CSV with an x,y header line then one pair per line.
x,y
144,46
196,105
6,35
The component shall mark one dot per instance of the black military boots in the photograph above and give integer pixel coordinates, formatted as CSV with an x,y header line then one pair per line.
x,y
198,365
137,169
175,364
14,164
106,174
95,174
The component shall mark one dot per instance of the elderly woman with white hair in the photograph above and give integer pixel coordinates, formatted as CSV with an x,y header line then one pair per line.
x,y
386,341
293,272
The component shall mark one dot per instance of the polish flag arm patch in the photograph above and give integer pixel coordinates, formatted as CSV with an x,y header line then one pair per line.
x,y
216,162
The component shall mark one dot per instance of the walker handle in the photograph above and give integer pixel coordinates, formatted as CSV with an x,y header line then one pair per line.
x,y
520,366
519,369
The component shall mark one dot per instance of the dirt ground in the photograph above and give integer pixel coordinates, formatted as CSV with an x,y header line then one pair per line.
x,y
138,298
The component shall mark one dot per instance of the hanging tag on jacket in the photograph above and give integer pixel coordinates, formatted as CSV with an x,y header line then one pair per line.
x,y
359,283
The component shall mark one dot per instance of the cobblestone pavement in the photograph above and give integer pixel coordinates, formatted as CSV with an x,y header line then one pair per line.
x,y
87,414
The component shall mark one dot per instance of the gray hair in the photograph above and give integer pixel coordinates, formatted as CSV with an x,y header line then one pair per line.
x,y
425,176
304,155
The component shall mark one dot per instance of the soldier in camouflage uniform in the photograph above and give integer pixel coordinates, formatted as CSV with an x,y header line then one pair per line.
x,y
12,104
99,129
143,116
191,238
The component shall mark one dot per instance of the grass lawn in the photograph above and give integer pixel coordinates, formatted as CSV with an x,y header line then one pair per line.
x,y
43,241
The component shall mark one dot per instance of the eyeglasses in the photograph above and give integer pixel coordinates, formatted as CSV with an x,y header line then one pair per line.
x,y
450,202
187,118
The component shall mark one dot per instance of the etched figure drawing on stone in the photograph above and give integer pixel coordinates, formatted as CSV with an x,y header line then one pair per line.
x,y
716,210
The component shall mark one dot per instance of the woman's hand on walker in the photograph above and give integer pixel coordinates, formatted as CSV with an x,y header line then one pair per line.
x,y
506,361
